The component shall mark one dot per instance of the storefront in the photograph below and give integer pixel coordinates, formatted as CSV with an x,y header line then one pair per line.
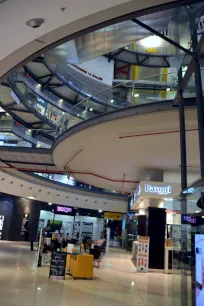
x,y
188,262
22,218
71,222
153,214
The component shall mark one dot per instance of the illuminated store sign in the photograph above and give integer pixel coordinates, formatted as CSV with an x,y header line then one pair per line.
x,y
1,225
189,219
64,209
161,190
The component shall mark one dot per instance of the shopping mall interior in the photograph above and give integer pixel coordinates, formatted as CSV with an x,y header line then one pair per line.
x,y
102,153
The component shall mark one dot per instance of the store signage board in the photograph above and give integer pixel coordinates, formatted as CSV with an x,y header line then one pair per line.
x,y
158,190
189,220
111,215
161,190
59,209
1,225
58,265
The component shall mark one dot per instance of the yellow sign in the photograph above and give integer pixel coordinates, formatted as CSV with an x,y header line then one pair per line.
x,y
151,50
110,215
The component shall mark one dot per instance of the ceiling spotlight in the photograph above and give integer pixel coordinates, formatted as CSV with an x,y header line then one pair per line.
x,y
91,109
38,86
35,22
100,210
60,101
29,131
168,89
136,95
202,217
112,101
49,203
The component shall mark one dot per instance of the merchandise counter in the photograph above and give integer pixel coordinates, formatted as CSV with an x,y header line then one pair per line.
x,y
81,266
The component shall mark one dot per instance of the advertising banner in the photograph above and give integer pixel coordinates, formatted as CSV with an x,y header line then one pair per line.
x,y
143,254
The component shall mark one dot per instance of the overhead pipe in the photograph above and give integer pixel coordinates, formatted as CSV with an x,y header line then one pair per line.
x,y
156,133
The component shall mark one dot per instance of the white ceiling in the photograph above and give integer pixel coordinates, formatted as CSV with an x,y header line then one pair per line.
x,y
99,155
23,185
18,41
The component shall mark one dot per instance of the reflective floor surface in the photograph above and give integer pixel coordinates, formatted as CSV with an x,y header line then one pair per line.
x,y
116,283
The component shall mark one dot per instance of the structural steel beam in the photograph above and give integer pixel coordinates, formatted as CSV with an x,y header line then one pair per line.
x,y
170,41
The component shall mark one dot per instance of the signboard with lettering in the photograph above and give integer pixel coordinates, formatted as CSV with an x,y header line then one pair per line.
x,y
161,190
58,265
111,215
59,209
189,220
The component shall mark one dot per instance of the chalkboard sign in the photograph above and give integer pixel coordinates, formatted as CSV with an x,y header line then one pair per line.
x,y
58,265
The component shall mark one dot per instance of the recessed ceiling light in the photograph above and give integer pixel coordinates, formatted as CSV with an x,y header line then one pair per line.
x,y
202,217
49,203
91,109
112,101
136,95
35,22
39,288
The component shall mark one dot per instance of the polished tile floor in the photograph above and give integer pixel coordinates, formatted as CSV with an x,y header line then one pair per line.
x,y
116,283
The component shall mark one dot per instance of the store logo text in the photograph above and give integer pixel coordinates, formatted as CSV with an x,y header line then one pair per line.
x,y
158,189
64,209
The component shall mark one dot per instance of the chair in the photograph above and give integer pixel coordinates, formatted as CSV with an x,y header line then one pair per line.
x,y
96,252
